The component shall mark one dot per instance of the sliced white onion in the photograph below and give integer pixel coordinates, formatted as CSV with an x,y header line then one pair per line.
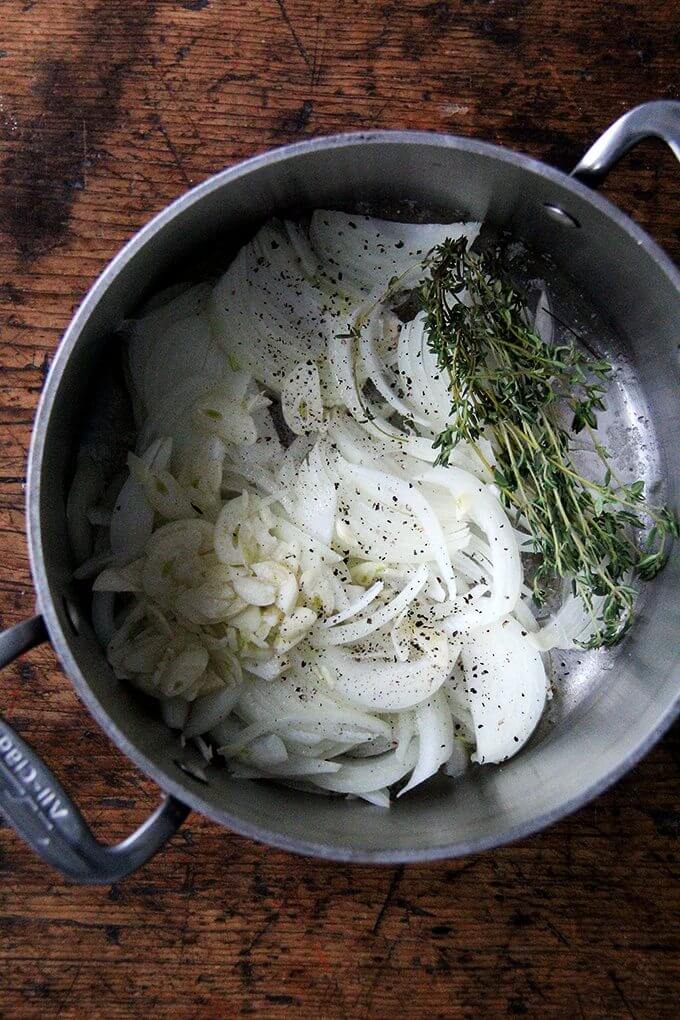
x,y
369,774
102,616
146,335
225,731
359,629
341,356
506,686
314,501
208,710
367,337
357,606
386,488
380,798
435,739
371,748
406,561
174,712
310,767
133,515
301,401
254,591
302,697
269,314
384,686
458,761
570,627
266,752
92,567
370,251
475,501
86,488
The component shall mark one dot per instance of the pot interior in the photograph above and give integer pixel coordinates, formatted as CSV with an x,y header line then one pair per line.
x,y
621,297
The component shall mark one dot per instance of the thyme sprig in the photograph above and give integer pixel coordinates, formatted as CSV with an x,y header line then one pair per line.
x,y
508,385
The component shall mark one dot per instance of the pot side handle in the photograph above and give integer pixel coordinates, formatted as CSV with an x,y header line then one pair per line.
x,y
658,119
42,813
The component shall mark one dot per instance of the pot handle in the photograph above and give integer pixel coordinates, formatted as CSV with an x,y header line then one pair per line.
x,y
42,813
658,119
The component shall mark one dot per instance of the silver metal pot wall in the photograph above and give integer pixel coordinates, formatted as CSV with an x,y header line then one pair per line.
x,y
625,276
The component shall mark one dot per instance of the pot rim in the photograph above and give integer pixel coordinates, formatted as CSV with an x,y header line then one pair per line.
x,y
64,350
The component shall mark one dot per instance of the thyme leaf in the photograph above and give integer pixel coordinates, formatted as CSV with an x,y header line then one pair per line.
x,y
507,384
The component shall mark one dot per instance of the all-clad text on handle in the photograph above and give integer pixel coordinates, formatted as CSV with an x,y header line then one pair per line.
x,y
42,813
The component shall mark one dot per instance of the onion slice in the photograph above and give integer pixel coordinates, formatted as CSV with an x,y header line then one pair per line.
x,y
507,687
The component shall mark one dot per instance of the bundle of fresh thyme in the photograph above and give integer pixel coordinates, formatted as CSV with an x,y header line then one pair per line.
x,y
507,384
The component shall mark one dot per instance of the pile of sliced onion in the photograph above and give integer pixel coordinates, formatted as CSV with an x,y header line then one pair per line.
x,y
283,567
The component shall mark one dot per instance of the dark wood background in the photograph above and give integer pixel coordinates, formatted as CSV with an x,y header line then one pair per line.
x,y
108,110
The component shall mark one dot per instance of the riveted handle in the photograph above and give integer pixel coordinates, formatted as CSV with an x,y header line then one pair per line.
x,y
42,813
658,119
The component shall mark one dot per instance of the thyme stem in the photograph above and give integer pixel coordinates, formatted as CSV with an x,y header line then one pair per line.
x,y
505,384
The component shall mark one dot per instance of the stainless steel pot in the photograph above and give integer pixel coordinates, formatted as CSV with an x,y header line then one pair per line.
x,y
619,713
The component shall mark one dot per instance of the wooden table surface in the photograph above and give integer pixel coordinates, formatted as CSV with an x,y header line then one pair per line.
x,y
108,110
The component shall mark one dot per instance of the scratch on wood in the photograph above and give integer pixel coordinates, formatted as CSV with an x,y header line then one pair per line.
x,y
84,173
65,999
557,933
318,50
260,933
187,890
391,890
229,76
177,159
621,994
296,38
380,970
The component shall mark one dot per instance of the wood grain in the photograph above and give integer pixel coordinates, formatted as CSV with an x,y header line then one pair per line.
x,y
108,110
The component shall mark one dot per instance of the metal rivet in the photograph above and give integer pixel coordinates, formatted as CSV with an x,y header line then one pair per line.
x,y
561,216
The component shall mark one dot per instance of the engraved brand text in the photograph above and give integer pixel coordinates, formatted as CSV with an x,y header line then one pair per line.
x,y
30,783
